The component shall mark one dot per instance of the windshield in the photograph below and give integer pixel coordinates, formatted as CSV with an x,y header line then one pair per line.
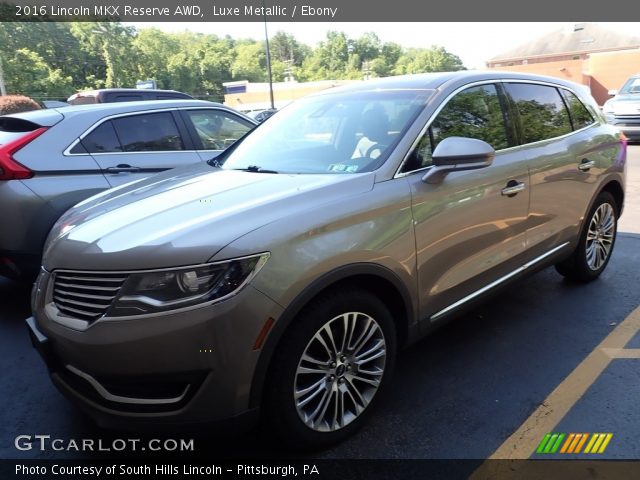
x,y
340,133
632,86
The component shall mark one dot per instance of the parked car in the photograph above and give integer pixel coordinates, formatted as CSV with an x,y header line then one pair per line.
x,y
623,110
110,95
52,159
261,115
287,279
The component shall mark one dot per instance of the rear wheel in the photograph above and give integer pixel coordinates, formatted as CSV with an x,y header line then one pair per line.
x,y
330,368
596,242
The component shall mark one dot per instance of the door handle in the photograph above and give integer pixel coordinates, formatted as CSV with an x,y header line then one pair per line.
x,y
513,188
586,165
123,168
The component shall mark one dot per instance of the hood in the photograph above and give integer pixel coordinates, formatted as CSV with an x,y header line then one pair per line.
x,y
624,104
184,216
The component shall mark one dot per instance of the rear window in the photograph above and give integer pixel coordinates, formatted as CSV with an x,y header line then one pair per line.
x,y
101,140
153,132
580,116
13,128
543,114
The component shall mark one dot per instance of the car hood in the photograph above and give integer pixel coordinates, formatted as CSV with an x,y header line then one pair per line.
x,y
184,216
628,104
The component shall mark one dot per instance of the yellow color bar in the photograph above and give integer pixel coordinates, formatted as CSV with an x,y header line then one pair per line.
x,y
596,445
594,439
605,443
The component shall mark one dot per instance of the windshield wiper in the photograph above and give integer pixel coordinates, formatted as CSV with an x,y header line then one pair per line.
x,y
256,169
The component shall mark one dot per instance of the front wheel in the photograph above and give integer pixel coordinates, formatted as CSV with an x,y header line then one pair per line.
x,y
596,242
330,368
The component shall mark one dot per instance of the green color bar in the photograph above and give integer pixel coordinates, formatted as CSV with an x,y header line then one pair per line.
x,y
543,443
555,448
552,440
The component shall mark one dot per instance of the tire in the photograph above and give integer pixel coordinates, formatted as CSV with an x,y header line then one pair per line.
x,y
312,417
596,242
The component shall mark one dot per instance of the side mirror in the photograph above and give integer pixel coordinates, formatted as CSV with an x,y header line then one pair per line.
x,y
612,93
456,154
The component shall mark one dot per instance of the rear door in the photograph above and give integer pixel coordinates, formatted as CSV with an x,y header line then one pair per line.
x,y
134,146
213,129
560,149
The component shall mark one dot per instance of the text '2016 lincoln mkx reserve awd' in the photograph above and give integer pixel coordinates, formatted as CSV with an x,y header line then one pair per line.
x,y
284,276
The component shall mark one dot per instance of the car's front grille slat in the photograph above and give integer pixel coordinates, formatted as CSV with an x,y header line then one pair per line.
x,y
85,295
91,279
69,293
89,287
95,306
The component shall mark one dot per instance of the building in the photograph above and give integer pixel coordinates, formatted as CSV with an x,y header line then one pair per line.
x,y
585,53
247,96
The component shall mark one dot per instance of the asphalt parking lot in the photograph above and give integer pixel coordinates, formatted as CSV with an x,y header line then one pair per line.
x,y
545,356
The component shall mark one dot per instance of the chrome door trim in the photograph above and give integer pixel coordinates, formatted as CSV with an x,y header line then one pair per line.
x,y
495,283
400,174
67,151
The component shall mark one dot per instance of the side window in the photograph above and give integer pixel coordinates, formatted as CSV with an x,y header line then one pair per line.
x,y
580,116
151,132
543,114
103,139
217,129
475,113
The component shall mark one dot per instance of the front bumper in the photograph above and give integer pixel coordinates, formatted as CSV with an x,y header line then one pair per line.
x,y
176,370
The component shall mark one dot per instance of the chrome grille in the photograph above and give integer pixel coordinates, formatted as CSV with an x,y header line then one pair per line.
x,y
86,295
633,116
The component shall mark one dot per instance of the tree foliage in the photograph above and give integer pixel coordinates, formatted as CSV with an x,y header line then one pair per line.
x,y
52,60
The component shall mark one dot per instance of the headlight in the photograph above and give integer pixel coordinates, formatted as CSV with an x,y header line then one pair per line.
x,y
163,290
608,110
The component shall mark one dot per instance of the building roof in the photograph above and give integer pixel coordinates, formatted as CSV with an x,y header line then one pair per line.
x,y
576,38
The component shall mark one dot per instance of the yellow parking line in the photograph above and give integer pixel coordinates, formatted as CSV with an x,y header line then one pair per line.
x,y
523,442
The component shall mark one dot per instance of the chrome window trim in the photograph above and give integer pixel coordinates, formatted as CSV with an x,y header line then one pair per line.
x,y
495,283
67,151
433,116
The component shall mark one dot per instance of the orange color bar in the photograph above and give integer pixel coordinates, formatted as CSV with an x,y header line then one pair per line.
x,y
567,442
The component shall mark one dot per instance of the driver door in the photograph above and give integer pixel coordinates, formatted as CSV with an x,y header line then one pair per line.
x,y
468,232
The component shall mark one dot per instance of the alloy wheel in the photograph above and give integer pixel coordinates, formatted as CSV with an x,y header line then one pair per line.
x,y
340,371
600,236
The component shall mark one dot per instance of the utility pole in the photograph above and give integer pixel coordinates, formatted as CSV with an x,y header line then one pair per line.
x,y
3,88
266,36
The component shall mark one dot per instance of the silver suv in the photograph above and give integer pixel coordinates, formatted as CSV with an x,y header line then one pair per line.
x,y
286,275
623,110
52,159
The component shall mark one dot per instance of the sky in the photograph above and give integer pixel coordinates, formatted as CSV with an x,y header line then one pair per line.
x,y
474,43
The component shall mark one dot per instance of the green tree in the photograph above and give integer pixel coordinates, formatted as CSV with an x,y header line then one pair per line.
x,y
27,73
250,62
434,59
114,42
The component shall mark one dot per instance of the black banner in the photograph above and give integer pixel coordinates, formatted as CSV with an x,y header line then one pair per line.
x,y
315,11
322,469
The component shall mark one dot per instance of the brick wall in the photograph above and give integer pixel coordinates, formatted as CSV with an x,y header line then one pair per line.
x,y
600,71
610,70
